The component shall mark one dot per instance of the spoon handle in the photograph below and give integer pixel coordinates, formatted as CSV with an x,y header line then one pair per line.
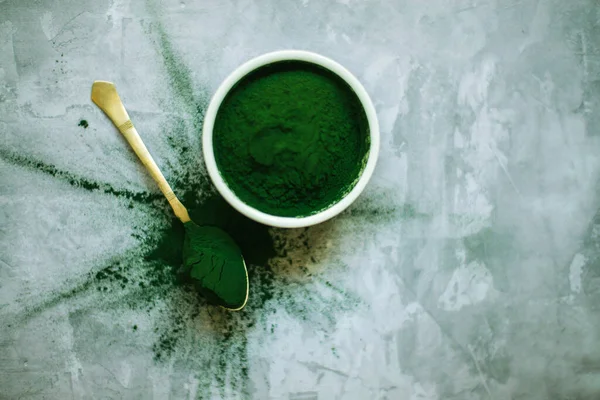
x,y
105,95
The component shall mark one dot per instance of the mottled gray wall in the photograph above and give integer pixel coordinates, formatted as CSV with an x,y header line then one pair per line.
x,y
469,269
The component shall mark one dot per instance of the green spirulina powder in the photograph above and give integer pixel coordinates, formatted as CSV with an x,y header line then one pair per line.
x,y
216,264
291,139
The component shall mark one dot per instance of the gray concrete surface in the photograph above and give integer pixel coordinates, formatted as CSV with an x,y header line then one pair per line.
x,y
469,269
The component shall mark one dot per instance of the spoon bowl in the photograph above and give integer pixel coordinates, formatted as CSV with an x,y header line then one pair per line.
x,y
209,253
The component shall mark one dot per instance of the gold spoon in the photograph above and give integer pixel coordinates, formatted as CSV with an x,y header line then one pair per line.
x,y
209,253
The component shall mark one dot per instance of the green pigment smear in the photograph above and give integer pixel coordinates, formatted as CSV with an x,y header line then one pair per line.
x,y
291,139
79,181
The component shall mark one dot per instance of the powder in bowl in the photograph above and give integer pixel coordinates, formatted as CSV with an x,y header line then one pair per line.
x,y
291,139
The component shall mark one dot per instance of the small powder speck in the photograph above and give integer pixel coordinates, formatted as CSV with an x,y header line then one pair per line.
x,y
83,123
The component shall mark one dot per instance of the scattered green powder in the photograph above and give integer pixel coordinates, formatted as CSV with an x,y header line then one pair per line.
x,y
153,199
83,123
150,278
291,138
216,264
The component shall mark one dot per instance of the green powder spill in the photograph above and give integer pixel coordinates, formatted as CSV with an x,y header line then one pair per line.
x,y
291,139
284,266
216,264
83,123
284,270
154,199
284,273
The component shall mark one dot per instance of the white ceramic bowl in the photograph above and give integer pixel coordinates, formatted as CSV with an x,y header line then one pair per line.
x,y
209,121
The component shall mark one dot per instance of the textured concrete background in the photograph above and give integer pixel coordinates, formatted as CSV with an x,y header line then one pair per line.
x,y
470,269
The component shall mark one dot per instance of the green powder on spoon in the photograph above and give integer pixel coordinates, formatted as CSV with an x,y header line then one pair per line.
x,y
291,139
216,264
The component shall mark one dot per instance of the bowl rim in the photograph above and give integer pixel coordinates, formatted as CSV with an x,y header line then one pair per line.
x,y
208,151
